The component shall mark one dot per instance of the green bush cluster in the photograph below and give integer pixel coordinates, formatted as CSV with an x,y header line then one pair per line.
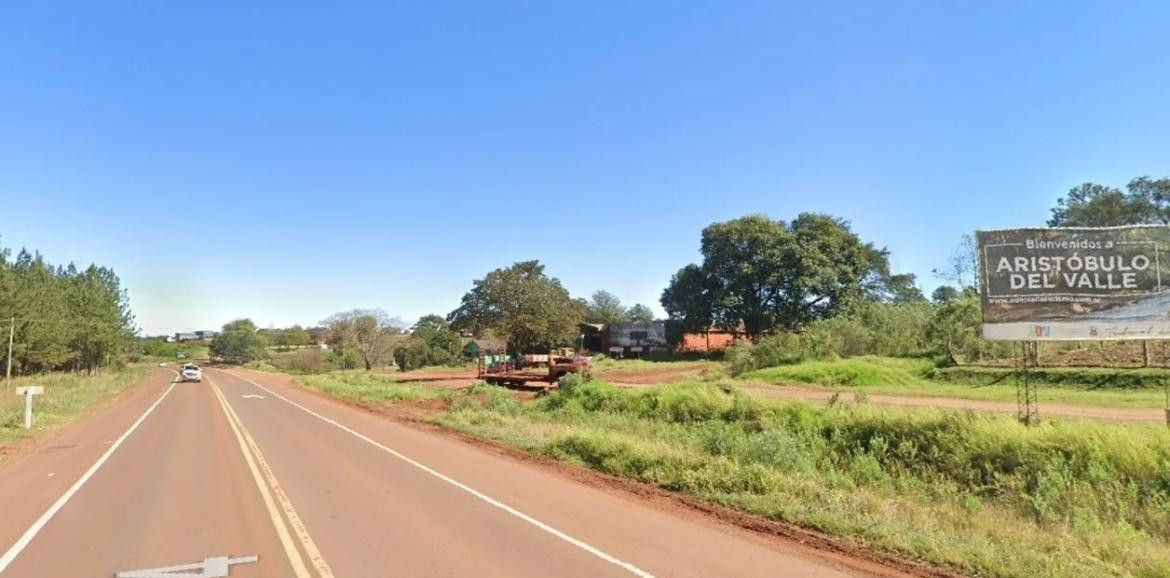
x,y
888,329
947,330
431,342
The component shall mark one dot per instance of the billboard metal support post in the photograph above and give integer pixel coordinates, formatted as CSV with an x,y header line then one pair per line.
x,y
1027,400
1165,385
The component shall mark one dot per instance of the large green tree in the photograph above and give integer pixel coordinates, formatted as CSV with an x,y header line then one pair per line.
x,y
1145,201
521,304
239,342
759,274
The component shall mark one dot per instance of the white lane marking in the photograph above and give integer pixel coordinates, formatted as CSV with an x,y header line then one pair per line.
x,y
252,396
290,549
217,567
32,531
294,519
272,493
486,498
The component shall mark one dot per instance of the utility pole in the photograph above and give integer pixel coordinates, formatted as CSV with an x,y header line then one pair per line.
x,y
11,333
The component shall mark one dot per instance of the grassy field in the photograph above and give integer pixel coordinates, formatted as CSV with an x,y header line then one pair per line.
x,y
66,397
978,493
368,388
1129,388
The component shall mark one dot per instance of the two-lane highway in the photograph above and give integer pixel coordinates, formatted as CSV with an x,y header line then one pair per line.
x,y
244,464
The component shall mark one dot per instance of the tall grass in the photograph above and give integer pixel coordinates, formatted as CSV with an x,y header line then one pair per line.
x,y
369,388
976,492
67,396
856,371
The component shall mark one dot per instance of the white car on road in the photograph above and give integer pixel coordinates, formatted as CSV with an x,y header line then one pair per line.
x,y
191,372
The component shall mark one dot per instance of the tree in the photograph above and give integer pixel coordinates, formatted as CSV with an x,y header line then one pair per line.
x,y
521,304
962,267
431,342
884,286
296,336
101,308
411,354
689,302
944,294
605,307
239,342
955,325
65,318
763,274
1145,201
367,333
640,313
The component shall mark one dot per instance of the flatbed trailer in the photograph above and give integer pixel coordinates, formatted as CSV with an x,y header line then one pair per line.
x,y
509,373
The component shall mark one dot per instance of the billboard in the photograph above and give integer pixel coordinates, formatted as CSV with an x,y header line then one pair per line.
x,y
1074,283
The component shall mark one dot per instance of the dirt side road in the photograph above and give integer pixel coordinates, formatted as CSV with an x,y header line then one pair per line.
x,y
1046,409
174,474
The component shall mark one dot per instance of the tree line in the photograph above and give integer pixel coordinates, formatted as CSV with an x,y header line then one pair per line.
x,y
61,317
809,287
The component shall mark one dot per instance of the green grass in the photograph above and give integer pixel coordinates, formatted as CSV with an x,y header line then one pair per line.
x,y
1087,378
646,365
369,388
854,372
975,492
66,397
1133,388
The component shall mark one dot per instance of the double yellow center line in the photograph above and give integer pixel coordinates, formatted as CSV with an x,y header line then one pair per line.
x,y
275,500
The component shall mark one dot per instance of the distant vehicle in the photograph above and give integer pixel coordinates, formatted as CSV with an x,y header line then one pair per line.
x,y
181,355
191,372
162,364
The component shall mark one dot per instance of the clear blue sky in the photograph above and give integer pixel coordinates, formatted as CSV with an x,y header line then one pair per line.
x,y
287,161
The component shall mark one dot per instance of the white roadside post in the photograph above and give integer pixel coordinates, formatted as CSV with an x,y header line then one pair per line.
x,y
28,393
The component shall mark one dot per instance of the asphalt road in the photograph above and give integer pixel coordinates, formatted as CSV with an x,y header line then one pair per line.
x,y
181,473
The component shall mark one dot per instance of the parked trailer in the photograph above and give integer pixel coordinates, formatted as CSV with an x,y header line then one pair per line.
x,y
501,369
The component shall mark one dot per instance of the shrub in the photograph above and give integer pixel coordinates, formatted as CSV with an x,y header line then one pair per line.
x,y
309,361
411,354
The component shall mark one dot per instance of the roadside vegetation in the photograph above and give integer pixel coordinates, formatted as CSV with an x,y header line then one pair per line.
x,y
979,493
815,306
367,388
155,349
62,318
66,397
